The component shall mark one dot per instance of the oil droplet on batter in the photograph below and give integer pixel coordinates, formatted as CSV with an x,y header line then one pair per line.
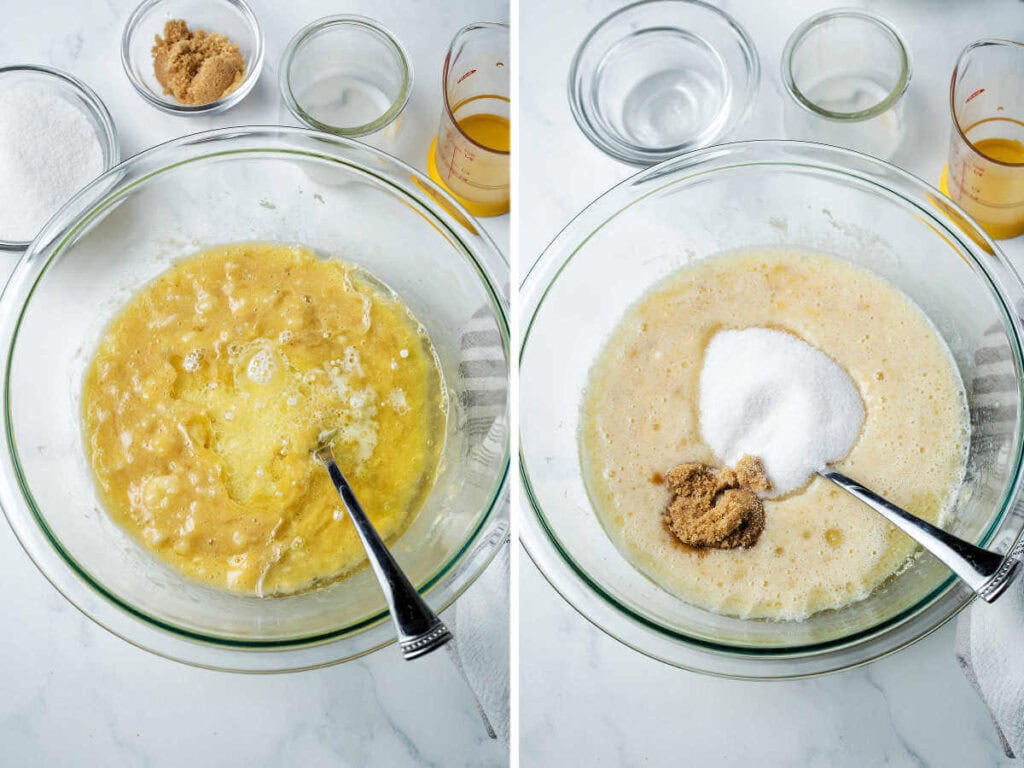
x,y
834,537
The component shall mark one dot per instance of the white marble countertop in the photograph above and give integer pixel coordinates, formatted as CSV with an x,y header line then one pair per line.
x,y
585,699
73,694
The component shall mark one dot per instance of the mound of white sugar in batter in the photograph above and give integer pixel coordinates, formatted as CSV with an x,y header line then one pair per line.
x,y
769,394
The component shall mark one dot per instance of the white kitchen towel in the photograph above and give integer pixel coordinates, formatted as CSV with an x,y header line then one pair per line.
x,y
481,641
990,649
480,621
990,638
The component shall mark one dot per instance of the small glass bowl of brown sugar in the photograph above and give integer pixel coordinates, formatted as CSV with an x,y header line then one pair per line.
x,y
192,57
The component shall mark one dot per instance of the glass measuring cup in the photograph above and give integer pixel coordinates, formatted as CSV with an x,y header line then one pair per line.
x,y
985,174
470,154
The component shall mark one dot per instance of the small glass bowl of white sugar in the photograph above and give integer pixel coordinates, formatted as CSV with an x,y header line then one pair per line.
x,y
55,137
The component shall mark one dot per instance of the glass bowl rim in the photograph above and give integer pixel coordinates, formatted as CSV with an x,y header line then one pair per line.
x,y
304,35
549,554
797,37
635,154
254,64
33,533
96,111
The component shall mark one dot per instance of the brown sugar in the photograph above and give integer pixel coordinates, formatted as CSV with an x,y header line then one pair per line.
x,y
717,508
196,67
750,473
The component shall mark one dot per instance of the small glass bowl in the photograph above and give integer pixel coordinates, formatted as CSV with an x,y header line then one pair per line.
x,y
353,54
76,92
846,71
662,77
232,18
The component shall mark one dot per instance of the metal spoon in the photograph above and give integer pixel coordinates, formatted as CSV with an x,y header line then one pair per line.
x,y
419,629
985,572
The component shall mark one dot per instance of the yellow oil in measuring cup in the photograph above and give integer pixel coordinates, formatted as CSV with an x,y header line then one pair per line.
x,y
491,131
470,154
988,177
985,174
469,158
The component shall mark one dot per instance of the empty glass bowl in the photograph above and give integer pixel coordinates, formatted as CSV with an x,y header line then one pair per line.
x,y
662,77
287,185
846,71
232,18
764,193
349,76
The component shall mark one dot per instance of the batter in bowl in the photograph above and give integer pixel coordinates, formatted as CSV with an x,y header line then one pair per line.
x,y
820,548
210,389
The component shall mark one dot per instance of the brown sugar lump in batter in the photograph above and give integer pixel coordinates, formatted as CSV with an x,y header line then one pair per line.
x,y
751,474
717,509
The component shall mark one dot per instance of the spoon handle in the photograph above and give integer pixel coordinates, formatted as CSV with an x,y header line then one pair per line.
x,y
419,629
985,572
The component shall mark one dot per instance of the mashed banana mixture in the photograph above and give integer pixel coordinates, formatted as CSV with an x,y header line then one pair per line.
x,y
209,391
820,548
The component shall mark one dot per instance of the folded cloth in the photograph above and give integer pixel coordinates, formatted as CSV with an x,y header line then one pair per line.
x,y
989,637
481,641
990,652
480,625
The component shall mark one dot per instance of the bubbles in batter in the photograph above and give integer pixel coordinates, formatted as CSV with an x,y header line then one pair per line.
x,y
261,367
191,361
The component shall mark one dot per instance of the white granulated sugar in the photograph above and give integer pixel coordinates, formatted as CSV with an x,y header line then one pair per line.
x,y
769,394
48,151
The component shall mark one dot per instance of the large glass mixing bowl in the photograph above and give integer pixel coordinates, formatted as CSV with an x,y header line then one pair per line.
x,y
764,193
246,184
